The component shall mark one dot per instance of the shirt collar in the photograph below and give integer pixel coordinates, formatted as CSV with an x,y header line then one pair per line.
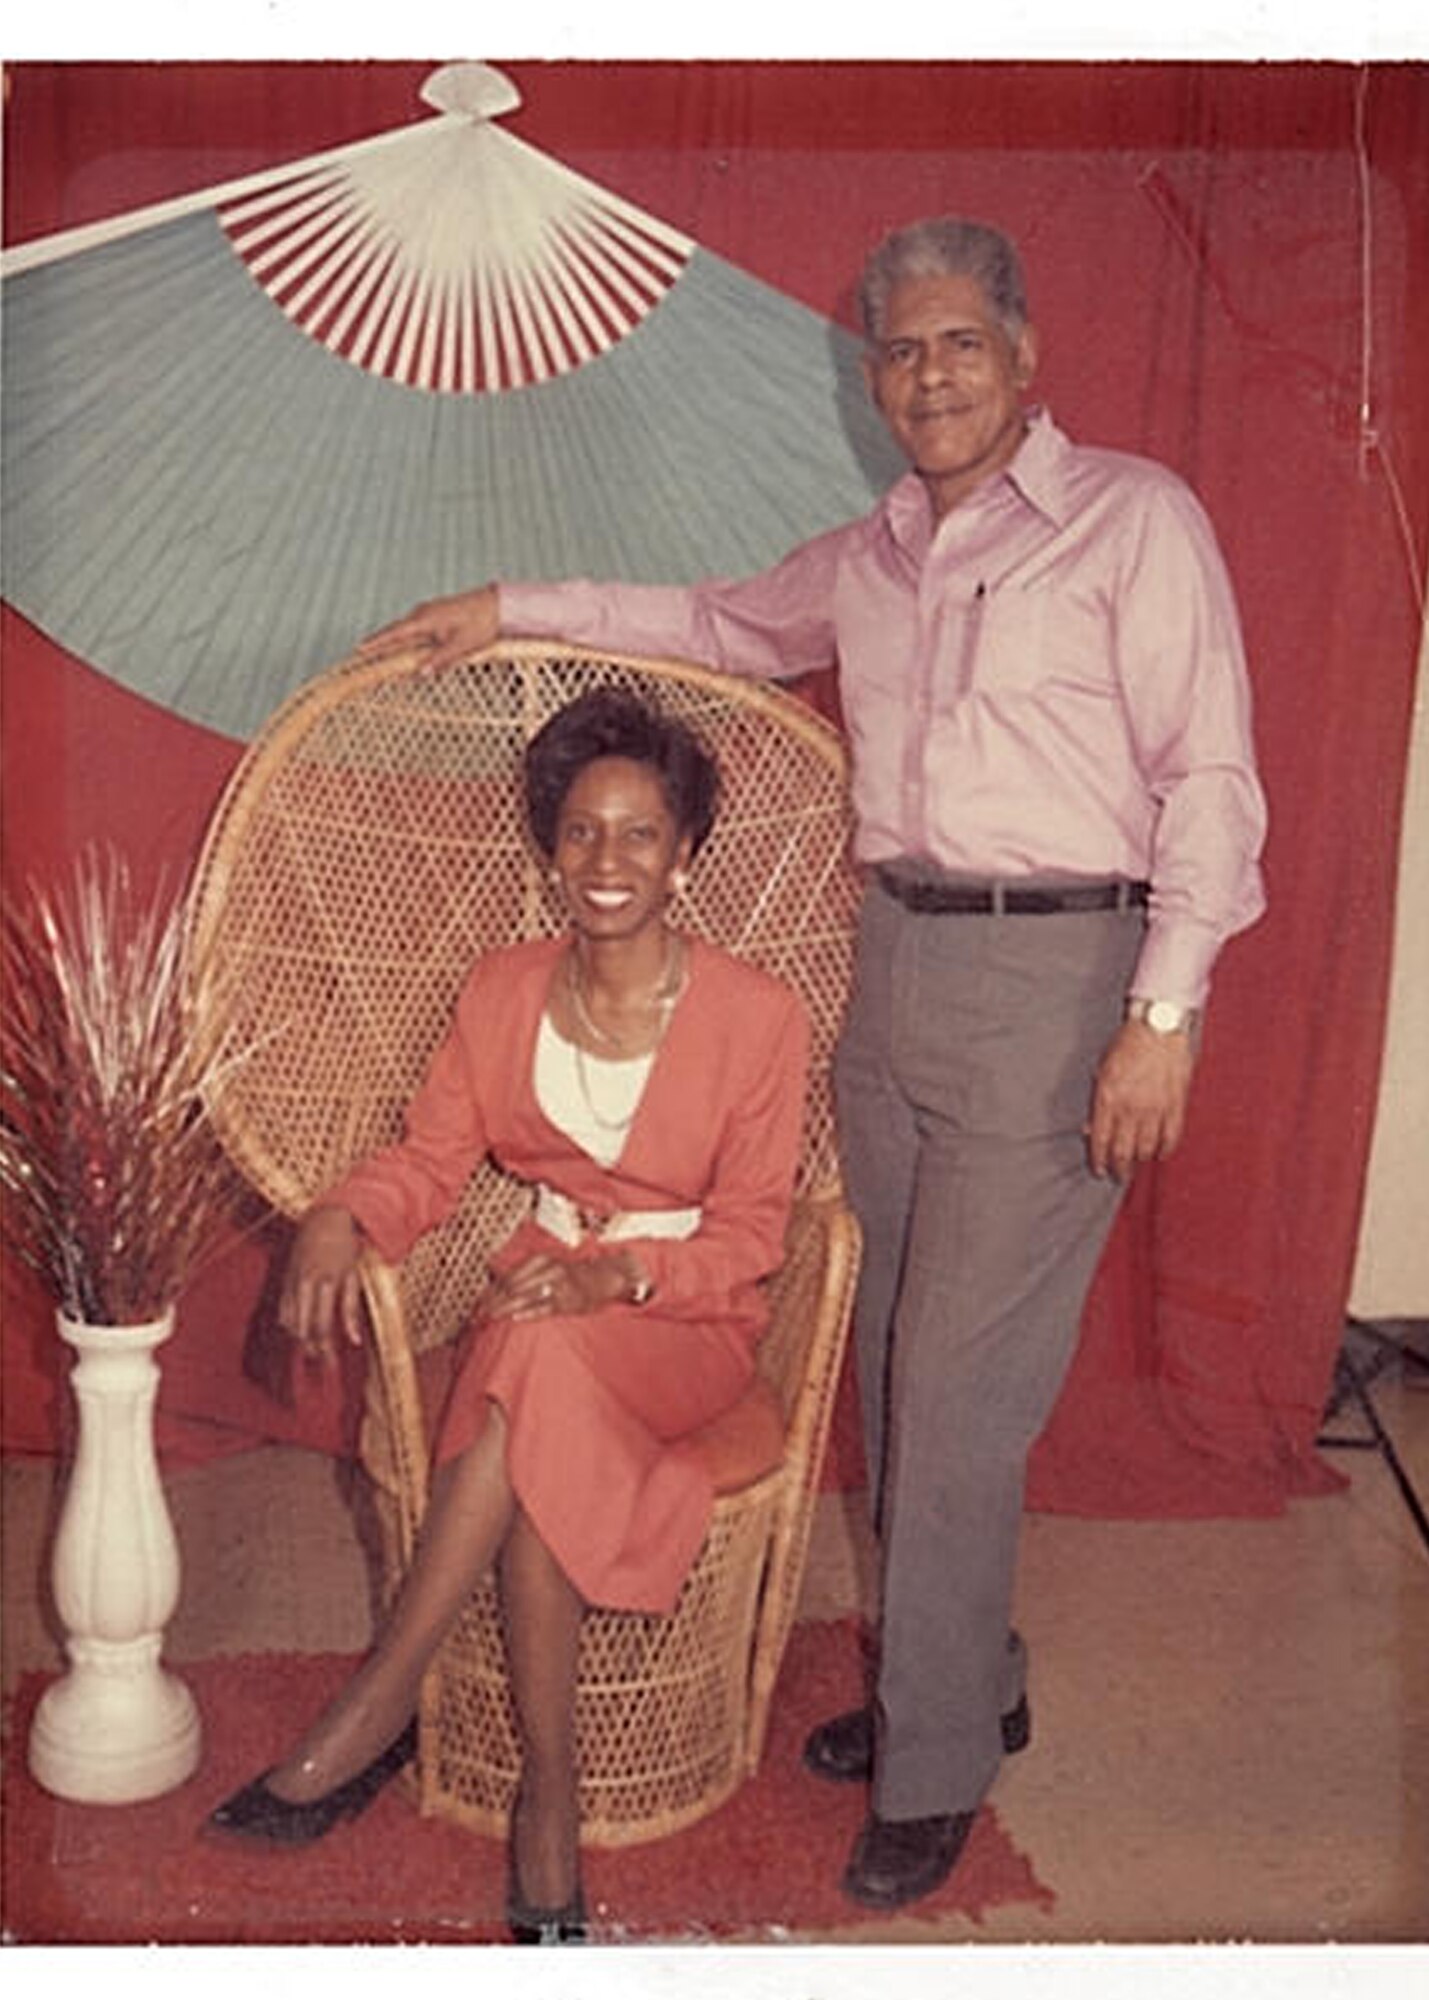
x,y
1038,472
1041,469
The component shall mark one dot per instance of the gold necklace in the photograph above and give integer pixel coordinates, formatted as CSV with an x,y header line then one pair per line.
x,y
667,994
663,999
599,1117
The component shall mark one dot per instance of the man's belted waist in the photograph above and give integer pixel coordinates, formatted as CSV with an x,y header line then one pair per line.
x,y
1010,899
570,1224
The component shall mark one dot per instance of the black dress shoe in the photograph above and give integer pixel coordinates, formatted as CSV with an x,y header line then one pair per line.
x,y
255,1813
895,1861
842,1749
532,1925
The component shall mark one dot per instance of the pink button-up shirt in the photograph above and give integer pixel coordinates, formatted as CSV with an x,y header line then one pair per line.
x,y
1048,681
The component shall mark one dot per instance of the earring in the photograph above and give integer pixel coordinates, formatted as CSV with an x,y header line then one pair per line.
x,y
679,882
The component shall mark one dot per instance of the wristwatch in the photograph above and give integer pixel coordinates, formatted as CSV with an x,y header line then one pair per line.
x,y
1163,1017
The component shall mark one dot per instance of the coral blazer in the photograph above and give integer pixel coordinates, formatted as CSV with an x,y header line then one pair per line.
x,y
718,1126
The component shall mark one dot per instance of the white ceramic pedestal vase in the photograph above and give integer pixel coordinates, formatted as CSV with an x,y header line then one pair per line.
x,y
116,1727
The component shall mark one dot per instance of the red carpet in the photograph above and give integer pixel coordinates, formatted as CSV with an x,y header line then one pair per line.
x,y
766,1864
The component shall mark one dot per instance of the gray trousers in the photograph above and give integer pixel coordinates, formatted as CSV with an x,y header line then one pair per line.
x,y
964,1078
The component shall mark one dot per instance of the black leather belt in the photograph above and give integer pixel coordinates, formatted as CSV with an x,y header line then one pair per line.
x,y
942,899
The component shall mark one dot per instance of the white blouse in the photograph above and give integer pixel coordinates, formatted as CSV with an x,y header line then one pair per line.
x,y
592,1099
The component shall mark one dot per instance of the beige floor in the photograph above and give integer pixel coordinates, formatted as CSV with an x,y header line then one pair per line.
x,y
1232,1718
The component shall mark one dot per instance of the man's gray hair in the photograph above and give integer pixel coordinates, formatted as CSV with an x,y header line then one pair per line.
x,y
946,247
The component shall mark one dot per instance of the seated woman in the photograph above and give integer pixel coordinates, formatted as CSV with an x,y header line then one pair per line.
x,y
651,1088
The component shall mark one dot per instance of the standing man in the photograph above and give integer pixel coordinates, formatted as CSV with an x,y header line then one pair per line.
x,y
1056,803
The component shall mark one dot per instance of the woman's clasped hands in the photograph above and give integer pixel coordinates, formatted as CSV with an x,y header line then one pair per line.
x,y
540,1285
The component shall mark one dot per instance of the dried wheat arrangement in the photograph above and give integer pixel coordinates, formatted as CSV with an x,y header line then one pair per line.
x,y
115,1188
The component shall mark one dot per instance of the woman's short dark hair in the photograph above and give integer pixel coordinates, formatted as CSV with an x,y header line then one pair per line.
x,y
613,722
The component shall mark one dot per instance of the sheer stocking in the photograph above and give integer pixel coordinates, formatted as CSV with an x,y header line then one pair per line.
x,y
543,1624
468,1518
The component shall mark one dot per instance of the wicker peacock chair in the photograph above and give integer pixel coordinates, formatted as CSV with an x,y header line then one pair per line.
x,y
368,848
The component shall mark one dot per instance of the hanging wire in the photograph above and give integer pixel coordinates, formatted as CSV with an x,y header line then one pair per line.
x,y
1372,445
1369,437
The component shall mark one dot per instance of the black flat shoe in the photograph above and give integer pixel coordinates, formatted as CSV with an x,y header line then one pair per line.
x,y
896,1861
530,1925
842,1748
255,1813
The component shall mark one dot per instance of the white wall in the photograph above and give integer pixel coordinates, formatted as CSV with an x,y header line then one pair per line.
x,y
1391,1278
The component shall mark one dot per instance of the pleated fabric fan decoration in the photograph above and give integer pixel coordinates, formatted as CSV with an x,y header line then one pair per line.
x,y
467,263
245,427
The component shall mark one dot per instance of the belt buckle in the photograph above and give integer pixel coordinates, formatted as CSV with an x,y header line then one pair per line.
x,y
564,1218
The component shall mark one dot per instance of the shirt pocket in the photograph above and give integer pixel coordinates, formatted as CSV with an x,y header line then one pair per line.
x,y
1010,641
1035,639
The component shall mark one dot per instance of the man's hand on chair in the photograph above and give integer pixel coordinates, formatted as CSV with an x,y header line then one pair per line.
x,y
449,629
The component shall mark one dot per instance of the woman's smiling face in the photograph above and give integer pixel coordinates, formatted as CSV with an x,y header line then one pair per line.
x,y
617,848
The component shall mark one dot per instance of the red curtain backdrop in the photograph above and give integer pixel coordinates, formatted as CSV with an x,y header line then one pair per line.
x,y
1196,239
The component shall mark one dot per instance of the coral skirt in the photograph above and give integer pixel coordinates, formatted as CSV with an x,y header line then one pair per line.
x,y
600,1411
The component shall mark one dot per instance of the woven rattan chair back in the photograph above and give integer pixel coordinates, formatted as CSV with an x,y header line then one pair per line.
x,y
370,846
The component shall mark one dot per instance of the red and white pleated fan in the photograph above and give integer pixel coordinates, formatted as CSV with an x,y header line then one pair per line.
x,y
451,256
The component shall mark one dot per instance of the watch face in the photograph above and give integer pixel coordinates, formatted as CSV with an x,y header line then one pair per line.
x,y
1164,1016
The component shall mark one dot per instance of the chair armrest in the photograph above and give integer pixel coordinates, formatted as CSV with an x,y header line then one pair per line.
x,y
393,1436
813,1304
